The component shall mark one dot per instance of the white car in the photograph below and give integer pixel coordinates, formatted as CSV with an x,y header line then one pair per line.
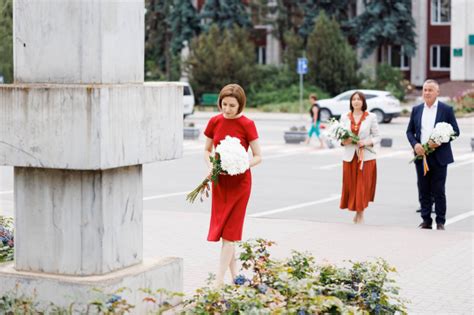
x,y
383,104
188,99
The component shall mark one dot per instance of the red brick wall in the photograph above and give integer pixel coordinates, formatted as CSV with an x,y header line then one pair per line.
x,y
437,35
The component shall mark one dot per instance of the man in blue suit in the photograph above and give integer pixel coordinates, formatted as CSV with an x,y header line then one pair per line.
x,y
431,186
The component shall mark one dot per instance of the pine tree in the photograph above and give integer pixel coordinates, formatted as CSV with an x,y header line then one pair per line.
x,y
157,39
225,13
293,50
6,40
184,23
332,62
312,8
289,17
220,57
385,22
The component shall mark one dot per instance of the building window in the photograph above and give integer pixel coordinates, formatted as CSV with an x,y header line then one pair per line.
x,y
394,56
261,55
440,57
397,57
440,11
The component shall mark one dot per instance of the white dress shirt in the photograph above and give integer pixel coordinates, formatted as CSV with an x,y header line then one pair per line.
x,y
428,119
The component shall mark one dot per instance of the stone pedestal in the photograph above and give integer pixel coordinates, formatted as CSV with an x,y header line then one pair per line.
x,y
77,126
78,222
63,290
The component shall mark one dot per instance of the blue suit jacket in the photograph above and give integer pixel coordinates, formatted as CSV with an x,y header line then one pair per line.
x,y
445,113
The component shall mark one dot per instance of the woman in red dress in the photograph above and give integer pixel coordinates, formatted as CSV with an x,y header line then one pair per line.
x,y
231,194
359,170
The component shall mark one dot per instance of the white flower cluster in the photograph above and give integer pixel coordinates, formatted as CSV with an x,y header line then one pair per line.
x,y
234,158
336,131
442,133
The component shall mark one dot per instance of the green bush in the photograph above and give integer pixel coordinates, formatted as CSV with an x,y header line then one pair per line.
x,y
6,239
269,98
389,79
157,302
298,285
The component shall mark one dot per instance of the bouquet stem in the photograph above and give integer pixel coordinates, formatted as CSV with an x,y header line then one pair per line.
x,y
201,189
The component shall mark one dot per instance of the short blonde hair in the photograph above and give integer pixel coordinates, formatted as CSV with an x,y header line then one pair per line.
x,y
233,90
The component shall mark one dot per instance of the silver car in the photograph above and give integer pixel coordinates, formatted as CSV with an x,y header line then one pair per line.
x,y
383,104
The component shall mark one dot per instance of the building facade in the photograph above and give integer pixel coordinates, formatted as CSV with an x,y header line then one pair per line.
x,y
444,40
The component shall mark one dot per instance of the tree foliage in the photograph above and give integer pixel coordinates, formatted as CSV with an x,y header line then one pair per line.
x,y
220,57
6,40
293,50
225,13
332,62
385,22
289,16
157,39
312,8
184,23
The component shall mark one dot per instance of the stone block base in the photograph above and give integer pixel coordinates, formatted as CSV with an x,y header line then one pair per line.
x,y
166,273
295,136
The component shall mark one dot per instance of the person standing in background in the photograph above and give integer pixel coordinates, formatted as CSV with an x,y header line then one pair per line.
x,y
359,170
431,186
315,120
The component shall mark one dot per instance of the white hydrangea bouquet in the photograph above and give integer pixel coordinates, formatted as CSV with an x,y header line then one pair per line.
x,y
338,132
230,158
442,133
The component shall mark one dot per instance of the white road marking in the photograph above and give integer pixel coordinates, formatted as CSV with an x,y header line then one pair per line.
x,y
456,165
464,157
166,195
459,217
298,206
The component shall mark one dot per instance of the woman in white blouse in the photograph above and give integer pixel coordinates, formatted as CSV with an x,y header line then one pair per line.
x,y
359,169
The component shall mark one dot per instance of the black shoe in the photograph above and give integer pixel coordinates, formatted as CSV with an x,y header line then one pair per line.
x,y
425,225
440,226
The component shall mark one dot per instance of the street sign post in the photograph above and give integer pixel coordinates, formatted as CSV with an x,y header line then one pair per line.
x,y
301,69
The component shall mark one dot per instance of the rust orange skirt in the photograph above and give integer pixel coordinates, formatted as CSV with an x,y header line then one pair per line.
x,y
358,187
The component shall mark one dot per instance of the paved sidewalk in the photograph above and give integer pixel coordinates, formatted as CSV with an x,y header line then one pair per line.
x,y
435,267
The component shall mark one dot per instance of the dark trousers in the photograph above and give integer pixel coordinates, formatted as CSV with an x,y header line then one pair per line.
x,y
431,187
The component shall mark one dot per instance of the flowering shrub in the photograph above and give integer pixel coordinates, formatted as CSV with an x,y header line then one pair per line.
x,y
465,102
103,304
7,241
298,285
157,302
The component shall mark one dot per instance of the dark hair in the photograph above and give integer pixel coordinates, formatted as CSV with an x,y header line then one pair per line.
x,y
313,96
362,97
311,109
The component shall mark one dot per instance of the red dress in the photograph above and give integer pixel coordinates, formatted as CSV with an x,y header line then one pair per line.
x,y
231,194
358,186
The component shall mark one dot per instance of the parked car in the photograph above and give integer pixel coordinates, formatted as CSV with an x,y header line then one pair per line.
x,y
383,104
188,99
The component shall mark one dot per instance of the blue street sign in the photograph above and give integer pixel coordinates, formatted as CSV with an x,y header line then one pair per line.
x,y
302,66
